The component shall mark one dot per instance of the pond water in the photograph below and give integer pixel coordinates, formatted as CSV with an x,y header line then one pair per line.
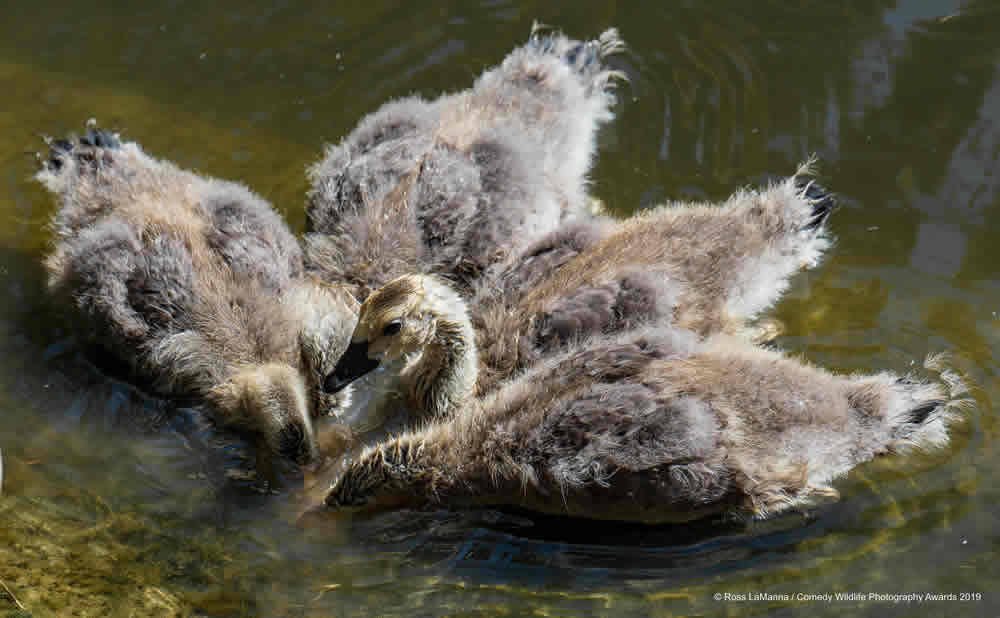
x,y
114,504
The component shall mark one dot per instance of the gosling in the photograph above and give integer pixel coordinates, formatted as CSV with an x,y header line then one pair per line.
x,y
454,185
653,425
708,268
198,287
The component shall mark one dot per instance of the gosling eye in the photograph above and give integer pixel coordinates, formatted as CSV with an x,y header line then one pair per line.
x,y
392,328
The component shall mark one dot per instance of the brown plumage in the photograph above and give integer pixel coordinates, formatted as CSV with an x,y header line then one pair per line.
x,y
705,268
709,268
455,185
197,286
651,425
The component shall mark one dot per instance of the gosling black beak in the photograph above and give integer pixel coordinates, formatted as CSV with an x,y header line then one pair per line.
x,y
351,366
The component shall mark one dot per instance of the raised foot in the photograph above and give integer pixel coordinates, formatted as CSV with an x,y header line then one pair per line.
x,y
84,149
821,199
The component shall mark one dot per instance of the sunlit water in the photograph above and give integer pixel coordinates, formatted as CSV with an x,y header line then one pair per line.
x,y
118,504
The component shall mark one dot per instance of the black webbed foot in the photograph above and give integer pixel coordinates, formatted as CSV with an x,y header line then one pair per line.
x,y
822,201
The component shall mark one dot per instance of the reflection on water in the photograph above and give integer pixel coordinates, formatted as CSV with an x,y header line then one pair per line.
x,y
117,503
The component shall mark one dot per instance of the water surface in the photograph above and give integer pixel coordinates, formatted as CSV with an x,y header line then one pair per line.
x,y
114,503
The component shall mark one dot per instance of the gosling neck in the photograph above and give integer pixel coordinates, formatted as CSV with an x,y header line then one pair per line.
x,y
445,376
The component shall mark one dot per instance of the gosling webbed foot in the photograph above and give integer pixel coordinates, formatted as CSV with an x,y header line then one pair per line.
x,y
88,150
821,199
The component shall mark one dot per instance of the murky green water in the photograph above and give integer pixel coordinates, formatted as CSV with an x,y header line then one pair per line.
x,y
113,505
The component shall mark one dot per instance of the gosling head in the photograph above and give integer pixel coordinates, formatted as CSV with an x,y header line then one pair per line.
x,y
328,318
399,322
270,402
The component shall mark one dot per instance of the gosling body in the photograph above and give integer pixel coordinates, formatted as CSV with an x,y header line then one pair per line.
x,y
197,286
708,268
455,185
650,425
